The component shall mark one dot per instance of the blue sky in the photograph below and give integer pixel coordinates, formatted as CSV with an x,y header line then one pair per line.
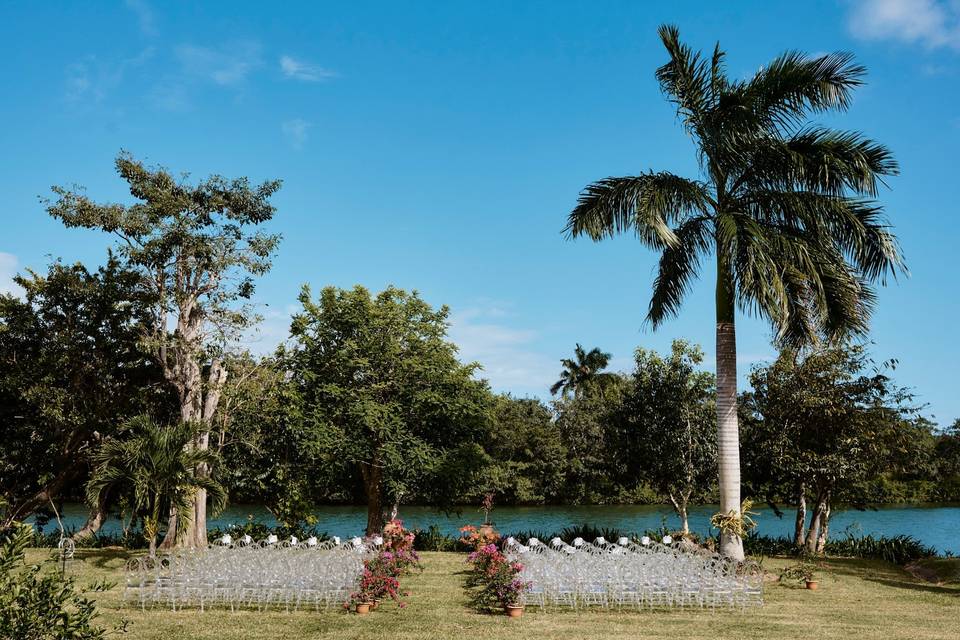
x,y
439,146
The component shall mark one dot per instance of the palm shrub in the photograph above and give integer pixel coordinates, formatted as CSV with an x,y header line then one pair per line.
x,y
37,604
158,472
784,206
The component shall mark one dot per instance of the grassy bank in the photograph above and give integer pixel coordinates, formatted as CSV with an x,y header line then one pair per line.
x,y
857,598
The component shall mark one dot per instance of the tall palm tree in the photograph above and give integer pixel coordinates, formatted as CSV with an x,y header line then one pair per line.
x,y
155,469
784,207
583,372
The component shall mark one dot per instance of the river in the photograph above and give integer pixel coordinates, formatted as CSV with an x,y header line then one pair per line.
x,y
937,525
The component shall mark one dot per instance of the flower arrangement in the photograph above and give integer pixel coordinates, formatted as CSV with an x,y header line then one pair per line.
x,y
398,542
381,574
497,582
475,538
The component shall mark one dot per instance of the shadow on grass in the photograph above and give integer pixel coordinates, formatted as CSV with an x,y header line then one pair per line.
x,y
885,574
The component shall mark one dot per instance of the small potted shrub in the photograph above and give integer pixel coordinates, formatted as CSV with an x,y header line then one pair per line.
x,y
804,571
486,505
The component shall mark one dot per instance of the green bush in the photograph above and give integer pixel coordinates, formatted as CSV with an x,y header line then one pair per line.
x,y
40,605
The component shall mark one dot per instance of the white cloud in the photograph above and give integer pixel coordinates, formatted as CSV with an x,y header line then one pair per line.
x,y
8,269
144,15
296,131
301,70
931,23
225,65
508,355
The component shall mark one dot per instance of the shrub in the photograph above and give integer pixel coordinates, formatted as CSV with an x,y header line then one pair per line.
x,y
36,605
433,540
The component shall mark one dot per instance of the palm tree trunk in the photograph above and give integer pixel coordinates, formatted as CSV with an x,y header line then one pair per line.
x,y
728,440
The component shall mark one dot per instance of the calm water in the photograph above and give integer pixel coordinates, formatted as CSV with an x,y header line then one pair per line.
x,y
935,525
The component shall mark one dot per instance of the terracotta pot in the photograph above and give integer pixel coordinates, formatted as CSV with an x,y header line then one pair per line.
x,y
514,610
812,585
486,529
363,608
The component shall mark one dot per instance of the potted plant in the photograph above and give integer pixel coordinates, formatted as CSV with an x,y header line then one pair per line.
x,y
486,506
804,571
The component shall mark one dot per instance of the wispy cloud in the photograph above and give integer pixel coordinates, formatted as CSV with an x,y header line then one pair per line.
x,y
508,354
296,131
92,79
144,13
302,70
8,269
930,23
225,65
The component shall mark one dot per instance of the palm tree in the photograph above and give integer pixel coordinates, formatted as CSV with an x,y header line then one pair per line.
x,y
784,207
154,467
583,372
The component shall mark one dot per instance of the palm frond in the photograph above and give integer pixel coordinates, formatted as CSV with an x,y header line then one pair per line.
x,y
679,266
793,85
647,204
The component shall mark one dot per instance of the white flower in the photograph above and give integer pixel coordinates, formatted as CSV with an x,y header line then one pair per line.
x,y
601,540
511,540
246,538
533,542
272,539
312,541
667,539
356,542
378,540
623,541
336,539
293,540
578,542
645,541
226,539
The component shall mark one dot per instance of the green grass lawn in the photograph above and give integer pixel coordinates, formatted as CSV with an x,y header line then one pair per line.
x,y
857,599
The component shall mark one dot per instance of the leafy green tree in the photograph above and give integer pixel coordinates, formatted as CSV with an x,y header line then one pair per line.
x,y
669,433
383,391
781,204
588,432
583,373
826,421
196,249
526,459
947,455
154,468
71,370
41,605
268,456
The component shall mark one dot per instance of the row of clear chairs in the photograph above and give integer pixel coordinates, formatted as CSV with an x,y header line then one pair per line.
x,y
630,574
250,574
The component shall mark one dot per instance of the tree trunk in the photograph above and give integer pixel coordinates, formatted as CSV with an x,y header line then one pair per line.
x,y
824,526
372,482
813,534
198,408
98,513
680,507
728,440
801,522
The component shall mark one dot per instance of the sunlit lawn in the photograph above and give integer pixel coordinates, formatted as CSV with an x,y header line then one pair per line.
x,y
857,599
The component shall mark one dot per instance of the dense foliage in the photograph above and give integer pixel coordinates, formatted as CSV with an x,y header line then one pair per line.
x,y
38,604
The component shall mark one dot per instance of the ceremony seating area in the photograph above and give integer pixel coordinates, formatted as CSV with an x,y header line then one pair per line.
x,y
249,574
627,574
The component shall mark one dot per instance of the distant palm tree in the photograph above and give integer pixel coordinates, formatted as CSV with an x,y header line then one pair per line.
x,y
583,373
781,204
152,466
